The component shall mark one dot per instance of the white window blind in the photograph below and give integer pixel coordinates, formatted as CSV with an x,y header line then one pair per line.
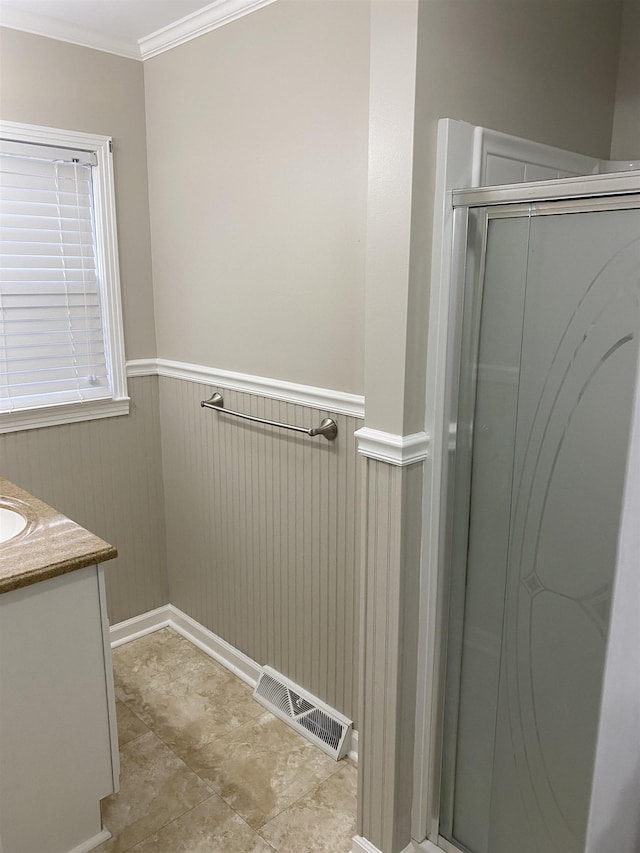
x,y
52,343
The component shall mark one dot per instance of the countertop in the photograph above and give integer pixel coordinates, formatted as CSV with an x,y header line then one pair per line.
x,y
50,545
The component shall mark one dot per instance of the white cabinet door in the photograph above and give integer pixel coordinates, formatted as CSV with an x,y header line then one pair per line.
x,y
55,726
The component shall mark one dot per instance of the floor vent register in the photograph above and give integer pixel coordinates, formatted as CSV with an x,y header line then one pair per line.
x,y
310,717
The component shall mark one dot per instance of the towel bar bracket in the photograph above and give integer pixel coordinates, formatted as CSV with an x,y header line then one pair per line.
x,y
328,427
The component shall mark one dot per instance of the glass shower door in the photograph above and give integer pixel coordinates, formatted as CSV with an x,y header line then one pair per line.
x,y
549,355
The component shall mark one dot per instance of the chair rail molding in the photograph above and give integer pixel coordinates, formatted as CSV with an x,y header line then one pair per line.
x,y
394,449
325,399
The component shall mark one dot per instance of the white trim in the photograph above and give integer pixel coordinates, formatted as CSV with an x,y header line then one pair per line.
x,y
220,650
65,414
211,644
426,847
142,367
42,25
108,677
108,272
208,642
92,843
338,402
353,749
363,845
138,626
394,449
107,258
217,14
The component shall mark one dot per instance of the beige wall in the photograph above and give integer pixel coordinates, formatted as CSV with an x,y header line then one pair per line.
x,y
541,69
106,474
51,83
262,534
258,168
625,141
257,151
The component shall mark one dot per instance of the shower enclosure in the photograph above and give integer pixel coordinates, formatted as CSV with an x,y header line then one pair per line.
x,y
543,357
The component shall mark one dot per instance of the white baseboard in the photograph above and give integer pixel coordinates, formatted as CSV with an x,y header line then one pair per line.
x,y
422,847
211,644
362,845
353,749
138,626
240,664
92,843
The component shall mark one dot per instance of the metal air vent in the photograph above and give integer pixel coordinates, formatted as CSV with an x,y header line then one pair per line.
x,y
310,717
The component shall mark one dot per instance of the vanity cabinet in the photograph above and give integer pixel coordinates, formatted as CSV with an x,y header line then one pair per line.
x,y
58,736
58,733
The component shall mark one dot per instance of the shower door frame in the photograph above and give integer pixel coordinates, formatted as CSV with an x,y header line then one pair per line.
x,y
578,194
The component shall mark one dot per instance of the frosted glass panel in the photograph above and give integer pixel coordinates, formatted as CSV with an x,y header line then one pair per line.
x,y
553,364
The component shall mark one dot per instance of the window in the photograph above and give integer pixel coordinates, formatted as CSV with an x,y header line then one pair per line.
x,y
61,341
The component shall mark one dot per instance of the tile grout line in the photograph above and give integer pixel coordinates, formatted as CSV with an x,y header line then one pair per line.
x,y
234,730
340,766
207,658
208,784
168,822
301,797
205,782
157,736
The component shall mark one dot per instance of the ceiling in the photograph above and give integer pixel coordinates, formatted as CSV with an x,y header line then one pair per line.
x,y
133,28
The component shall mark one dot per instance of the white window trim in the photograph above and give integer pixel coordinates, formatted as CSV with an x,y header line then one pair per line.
x,y
108,272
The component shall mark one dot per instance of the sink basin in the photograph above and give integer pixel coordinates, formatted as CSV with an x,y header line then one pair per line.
x,y
11,523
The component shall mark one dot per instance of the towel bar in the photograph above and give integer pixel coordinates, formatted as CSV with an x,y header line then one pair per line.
x,y
328,427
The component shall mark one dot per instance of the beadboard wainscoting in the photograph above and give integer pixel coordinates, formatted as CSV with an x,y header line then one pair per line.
x,y
106,475
391,536
263,533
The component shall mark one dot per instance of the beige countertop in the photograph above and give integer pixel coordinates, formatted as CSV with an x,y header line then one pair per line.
x,y
50,545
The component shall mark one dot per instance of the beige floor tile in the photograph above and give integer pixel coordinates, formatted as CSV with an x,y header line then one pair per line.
x,y
129,725
155,787
261,768
154,659
323,820
194,710
211,827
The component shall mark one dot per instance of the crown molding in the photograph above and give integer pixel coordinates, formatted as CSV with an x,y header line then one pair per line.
x,y
215,15
42,25
210,17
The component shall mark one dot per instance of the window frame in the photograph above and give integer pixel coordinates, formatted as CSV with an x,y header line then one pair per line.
x,y
108,270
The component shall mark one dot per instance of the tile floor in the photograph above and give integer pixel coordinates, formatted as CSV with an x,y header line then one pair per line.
x,y
204,769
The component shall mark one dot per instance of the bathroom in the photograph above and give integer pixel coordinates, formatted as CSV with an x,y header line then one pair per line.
x,y
288,267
